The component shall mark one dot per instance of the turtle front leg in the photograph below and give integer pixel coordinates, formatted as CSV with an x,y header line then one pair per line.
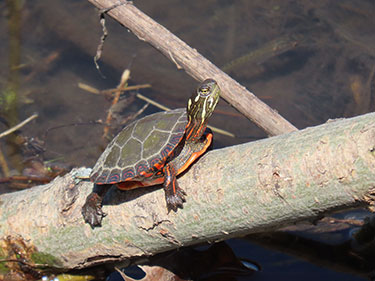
x,y
174,195
92,209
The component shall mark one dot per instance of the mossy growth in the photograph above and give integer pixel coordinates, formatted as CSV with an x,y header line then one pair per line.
x,y
40,258
3,268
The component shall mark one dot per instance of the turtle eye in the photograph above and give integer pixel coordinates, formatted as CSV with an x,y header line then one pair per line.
x,y
204,91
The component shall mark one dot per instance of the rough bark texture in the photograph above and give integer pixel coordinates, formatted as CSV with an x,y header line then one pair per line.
x,y
234,191
197,66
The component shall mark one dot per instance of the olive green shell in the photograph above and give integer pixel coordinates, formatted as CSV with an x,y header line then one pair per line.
x,y
143,146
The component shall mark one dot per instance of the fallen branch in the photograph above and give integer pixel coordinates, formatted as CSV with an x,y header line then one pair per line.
x,y
196,65
234,191
123,83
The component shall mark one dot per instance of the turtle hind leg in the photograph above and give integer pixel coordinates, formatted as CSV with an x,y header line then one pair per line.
x,y
92,209
174,195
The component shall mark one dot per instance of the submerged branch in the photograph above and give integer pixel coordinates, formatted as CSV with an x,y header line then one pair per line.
x,y
18,126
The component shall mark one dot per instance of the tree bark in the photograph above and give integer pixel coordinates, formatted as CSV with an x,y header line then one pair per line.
x,y
234,191
196,65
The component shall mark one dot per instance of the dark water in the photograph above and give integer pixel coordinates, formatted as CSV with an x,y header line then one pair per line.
x,y
309,60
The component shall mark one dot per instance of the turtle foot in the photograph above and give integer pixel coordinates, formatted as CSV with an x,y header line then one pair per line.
x,y
175,200
92,210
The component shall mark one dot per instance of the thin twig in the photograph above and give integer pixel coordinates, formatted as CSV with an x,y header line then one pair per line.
x,y
133,116
128,88
99,50
150,101
101,44
95,91
123,83
20,125
89,88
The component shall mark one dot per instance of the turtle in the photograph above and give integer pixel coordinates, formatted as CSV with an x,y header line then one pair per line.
x,y
154,150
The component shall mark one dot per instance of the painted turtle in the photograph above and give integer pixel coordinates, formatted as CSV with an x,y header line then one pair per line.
x,y
154,150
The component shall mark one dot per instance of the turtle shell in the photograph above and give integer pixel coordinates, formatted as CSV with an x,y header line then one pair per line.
x,y
141,148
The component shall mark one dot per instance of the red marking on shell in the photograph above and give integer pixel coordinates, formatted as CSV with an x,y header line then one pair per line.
x,y
127,175
102,178
127,185
155,162
146,175
141,169
175,139
158,166
166,151
114,178
135,184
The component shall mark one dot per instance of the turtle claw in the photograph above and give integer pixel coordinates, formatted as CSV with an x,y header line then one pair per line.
x,y
175,200
174,195
92,211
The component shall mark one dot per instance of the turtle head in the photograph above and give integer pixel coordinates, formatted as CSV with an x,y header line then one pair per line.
x,y
200,107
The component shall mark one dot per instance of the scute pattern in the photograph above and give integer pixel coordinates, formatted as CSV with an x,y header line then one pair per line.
x,y
114,176
140,146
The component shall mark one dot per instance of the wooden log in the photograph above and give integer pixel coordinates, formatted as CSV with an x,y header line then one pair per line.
x,y
234,191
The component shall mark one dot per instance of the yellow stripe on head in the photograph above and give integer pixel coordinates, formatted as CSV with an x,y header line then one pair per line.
x,y
201,106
